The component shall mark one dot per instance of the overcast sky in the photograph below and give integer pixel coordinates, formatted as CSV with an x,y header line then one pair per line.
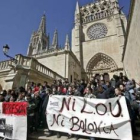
x,y
19,18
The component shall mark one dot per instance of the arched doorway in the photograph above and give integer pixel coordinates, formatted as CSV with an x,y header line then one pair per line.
x,y
100,64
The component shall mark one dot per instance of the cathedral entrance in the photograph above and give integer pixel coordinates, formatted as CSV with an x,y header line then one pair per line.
x,y
101,64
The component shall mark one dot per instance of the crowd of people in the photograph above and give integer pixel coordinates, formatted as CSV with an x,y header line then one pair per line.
x,y
37,95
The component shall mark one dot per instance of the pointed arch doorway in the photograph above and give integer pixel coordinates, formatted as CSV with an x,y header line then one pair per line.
x,y
101,64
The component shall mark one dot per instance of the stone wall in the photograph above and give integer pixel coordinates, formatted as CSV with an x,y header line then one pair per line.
x,y
109,45
74,68
63,62
54,61
131,56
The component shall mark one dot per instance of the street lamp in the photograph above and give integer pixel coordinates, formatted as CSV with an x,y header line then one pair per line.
x,y
5,51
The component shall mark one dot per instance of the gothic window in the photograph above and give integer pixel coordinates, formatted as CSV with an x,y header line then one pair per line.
x,y
105,3
44,45
96,31
39,47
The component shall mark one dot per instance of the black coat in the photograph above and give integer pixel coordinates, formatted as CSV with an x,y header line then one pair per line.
x,y
45,103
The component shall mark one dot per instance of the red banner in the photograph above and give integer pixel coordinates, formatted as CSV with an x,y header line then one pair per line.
x,y
15,108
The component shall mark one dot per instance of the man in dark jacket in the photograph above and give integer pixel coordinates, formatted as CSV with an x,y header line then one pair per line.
x,y
37,100
30,113
81,87
2,97
44,106
44,103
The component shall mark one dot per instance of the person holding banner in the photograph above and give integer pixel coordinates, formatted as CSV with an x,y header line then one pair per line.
x,y
89,94
44,105
56,91
70,93
118,92
37,100
30,113
76,93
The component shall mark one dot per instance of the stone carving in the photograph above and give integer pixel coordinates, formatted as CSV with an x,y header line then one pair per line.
x,y
96,31
101,65
101,62
77,18
100,9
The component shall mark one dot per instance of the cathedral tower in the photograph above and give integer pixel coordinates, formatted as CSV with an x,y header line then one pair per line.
x,y
98,37
39,41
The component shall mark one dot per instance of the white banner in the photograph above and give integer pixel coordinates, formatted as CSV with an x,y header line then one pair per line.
x,y
89,117
13,121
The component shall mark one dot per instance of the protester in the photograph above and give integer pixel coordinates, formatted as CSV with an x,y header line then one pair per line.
x,y
13,98
90,95
7,97
70,91
37,101
101,93
125,92
30,113
119,93
21,95
37,97
2,99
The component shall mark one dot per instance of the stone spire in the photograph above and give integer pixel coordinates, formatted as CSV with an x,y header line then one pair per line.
x,y
77,10
67,43
55,40
39,40
77,13
42,26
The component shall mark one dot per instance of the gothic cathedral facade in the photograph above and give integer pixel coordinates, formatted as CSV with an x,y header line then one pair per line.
x,y
97,42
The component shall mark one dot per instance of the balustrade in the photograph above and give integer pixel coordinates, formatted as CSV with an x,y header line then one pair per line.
x,y
31,63
5,64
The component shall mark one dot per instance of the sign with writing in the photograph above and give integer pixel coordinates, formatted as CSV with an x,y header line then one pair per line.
x,y
13,120
89,117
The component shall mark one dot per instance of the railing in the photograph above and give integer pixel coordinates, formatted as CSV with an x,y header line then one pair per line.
x,y
5,64
23,60
32,64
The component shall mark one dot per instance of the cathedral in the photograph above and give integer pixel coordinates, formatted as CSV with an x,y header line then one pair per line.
x,y
96,48
97,42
